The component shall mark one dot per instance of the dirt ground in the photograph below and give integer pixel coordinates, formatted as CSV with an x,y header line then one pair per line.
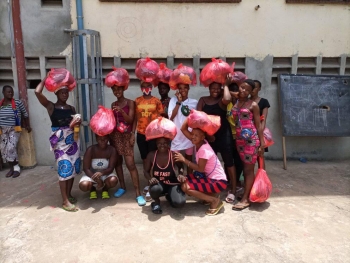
x,y
307,219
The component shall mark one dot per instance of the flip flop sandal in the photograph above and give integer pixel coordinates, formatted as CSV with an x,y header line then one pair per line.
x,y
119,192
9,174
156,209
72,208
93,195
145,190
214,211
140,200
16,174
230,198
238,207
72,200
148,197
105,195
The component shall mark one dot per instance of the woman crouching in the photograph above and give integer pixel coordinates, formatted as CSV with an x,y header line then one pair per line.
x,y
98,165
159,166
209,178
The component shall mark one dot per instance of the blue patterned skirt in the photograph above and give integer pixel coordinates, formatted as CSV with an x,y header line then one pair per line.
x,y
67,152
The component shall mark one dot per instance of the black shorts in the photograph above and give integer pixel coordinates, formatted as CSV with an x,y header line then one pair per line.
x,y
145,146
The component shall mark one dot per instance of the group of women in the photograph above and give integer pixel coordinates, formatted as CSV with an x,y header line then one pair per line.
x,y
239,141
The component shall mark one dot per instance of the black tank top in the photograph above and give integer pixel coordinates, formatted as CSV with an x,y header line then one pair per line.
x,y
215,109
167,174
61,117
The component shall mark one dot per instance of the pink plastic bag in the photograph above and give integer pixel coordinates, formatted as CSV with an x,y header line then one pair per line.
x,y
215,71
59,77
146,70
238,77
268,137
160,127
103,122
207,123
164,73
119,77
182,75
262,186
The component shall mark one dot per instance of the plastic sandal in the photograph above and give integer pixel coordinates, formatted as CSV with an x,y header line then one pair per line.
x,y
145,190
105,195
71,208
148,197
214,211
72,200
119,192
93,195
156,209
140,200
230,198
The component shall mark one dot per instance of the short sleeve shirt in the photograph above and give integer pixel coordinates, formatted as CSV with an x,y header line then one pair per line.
x,y
146,111
7,116
213,168
263,103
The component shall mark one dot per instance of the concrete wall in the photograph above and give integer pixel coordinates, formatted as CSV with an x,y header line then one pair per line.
x,y
131,30
229,30
43,36
277,29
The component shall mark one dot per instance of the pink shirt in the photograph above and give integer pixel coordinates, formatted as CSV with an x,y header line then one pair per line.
x,y
213,168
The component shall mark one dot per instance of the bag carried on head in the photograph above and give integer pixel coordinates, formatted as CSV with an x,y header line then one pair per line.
x,y
161,127
207,123
118,77
182,75
215,71
58,78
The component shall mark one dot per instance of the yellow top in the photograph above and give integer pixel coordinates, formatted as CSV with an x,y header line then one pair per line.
x,y
231,119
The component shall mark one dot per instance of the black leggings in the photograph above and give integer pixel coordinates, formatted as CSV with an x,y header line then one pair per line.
x,y
223,144
177,196
237,160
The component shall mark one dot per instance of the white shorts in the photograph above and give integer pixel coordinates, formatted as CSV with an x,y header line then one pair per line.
x,y
86,178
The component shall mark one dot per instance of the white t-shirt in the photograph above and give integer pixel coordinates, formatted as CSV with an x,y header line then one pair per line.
x,y
180,142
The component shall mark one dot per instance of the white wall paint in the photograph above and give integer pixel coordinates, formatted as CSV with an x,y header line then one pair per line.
x,y
231,30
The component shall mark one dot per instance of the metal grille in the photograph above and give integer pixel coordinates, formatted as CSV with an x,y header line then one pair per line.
x,y
87,69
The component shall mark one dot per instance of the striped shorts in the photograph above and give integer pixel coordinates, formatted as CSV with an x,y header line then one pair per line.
x,y
206,185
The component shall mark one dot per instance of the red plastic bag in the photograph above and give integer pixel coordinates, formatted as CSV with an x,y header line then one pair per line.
x,y
103,122
238,77
215,71
164,73
262,186
119,77
146,70
207,123
59,77
268,137
160,127
182,75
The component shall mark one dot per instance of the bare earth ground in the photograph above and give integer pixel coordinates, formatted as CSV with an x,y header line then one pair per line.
x,y
307,219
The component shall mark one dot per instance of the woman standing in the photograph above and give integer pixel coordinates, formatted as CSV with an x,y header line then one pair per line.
x,y
163,89
66,150
264,106
123,140
209,179
179,108
249,137
222,140
11,112
148,108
